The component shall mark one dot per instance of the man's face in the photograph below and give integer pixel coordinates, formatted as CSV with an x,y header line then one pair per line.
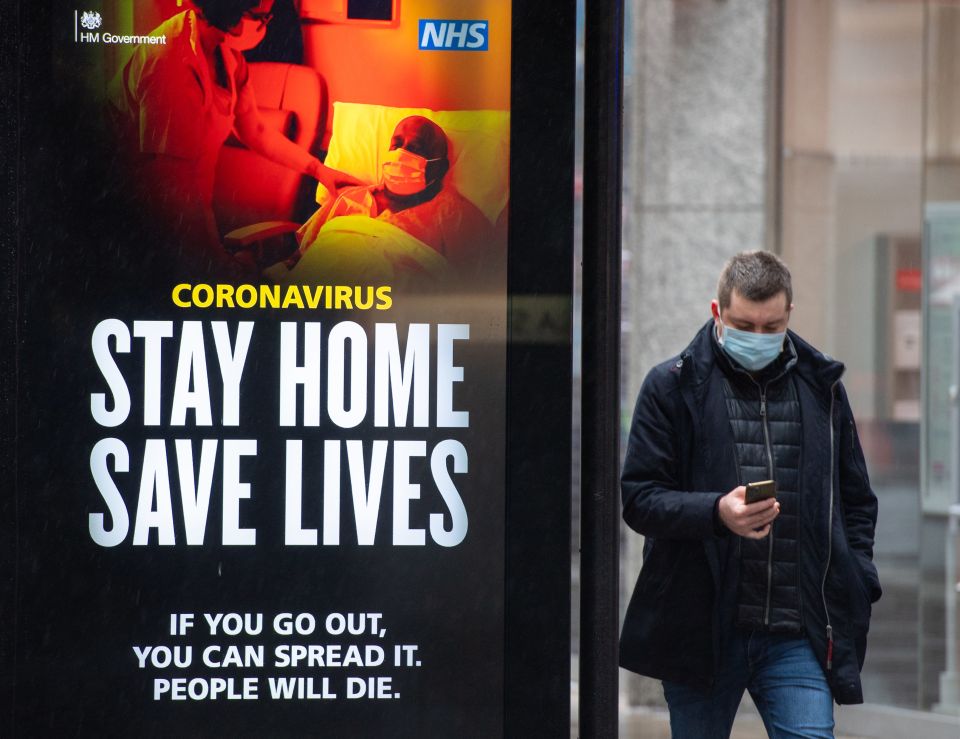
x,y
417,160
760,317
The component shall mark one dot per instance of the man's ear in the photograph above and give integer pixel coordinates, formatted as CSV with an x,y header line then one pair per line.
x,y
437,170
715,308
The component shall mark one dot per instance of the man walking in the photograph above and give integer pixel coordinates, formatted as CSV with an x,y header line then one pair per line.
x,y
772,596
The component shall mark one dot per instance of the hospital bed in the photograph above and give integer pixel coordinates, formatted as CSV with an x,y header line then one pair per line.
x,y
479,167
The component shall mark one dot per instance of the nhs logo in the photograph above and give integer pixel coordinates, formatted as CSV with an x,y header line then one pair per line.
x,y
440,35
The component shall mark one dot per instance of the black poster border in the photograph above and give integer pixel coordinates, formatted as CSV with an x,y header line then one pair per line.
x,y
10,83
539,373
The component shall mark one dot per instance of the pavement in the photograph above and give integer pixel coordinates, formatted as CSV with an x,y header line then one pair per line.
x,y
643,722
853,722
652,723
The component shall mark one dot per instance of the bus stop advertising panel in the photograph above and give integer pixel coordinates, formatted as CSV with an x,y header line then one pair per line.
x,y
267,276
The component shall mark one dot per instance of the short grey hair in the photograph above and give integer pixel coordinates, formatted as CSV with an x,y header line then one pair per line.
x,y
756,275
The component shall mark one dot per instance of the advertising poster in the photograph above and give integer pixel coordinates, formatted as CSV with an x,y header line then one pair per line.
x,y
261,371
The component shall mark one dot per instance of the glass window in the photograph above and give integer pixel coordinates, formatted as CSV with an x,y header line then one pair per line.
x,y
851,215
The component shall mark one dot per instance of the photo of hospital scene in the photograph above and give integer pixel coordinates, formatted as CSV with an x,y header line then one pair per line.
x,y
295,141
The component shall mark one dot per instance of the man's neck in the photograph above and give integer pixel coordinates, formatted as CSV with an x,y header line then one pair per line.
x,y
386,200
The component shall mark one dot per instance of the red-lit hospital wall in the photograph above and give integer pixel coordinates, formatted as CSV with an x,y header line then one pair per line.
x,y
366,63
375,62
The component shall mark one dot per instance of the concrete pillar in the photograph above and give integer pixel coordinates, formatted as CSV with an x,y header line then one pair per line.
x,y
696,180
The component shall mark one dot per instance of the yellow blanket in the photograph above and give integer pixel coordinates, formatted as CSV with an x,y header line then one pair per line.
x,y
360,250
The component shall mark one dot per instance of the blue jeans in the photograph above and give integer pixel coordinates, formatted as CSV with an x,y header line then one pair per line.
x,y
785,681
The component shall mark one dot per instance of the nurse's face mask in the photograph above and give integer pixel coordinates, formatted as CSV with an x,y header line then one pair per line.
x,y
405,173
252,28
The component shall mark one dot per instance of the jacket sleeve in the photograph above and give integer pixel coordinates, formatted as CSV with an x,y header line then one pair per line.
x,y
653,502
857,498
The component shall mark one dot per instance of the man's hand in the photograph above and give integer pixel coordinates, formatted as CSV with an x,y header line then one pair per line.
x,y
750,521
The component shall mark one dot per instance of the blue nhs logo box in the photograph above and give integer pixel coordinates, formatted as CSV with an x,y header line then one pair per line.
x,y
448,35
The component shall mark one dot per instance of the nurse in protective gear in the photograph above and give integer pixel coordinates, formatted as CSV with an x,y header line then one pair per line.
x,y
174,104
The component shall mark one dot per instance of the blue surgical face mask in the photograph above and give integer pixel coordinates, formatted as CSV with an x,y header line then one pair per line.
x,y
751,350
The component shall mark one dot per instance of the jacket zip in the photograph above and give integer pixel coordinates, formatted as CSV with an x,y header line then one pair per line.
x,y
770,468
826,568
766,441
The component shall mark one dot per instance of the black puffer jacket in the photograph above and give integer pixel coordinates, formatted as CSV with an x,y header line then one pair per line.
x,y
681,459
766,429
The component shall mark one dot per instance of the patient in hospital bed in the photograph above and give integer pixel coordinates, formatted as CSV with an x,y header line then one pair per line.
x,y
411,225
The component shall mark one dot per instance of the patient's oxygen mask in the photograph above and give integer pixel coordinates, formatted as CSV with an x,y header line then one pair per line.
x,y
405,173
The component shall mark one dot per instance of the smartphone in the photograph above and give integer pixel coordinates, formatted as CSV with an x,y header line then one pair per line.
x,y
762,490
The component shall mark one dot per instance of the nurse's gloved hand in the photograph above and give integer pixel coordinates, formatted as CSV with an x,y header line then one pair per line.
x,y
332,179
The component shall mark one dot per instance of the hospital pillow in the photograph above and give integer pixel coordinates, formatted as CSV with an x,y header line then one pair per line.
x,y
479,148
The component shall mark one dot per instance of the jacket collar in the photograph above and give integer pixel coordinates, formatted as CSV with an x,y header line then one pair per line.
x,y
813,365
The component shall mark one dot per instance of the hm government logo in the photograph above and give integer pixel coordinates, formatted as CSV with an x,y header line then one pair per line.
x,y
91,20
86,27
